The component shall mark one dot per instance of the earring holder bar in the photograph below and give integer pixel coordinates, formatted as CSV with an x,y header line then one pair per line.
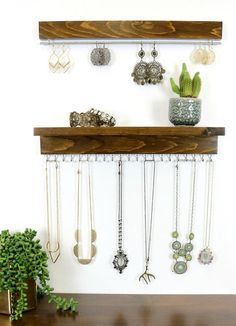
x,y
129,41
67,158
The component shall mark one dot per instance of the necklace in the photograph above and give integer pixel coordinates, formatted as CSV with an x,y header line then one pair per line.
x,y
146,276
78,234
182,252
53,253
205,257
120,260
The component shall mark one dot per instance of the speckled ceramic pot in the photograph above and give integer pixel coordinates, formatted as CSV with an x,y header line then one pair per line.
x,y
184,111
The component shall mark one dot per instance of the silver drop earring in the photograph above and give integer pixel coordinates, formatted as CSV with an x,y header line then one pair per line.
x,y
154,69
139,73
100,56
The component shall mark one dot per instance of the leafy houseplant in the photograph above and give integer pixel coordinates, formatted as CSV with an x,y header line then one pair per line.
x,y
22,259
185,110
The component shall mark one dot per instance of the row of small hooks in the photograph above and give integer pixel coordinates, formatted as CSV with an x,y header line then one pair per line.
x,y
128,157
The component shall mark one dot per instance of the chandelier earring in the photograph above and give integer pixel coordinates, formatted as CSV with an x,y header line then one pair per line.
x,y
155,70
139,73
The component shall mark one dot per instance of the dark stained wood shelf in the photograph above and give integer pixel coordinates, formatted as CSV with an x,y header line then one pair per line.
x,y
136,310
130,30
129,140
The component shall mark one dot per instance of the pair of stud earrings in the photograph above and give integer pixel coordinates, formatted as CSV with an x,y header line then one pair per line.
x,y
148,73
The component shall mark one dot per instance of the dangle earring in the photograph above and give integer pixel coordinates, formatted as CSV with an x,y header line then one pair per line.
x,y
139,73
154,69
53,61
211,54
100,56
64,60
205,257
53,195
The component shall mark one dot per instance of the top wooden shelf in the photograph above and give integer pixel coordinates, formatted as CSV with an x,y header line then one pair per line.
x,y
129,140
130,29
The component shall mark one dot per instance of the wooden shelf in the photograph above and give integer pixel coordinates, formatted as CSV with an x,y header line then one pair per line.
x,y
129,140
205,30
135,310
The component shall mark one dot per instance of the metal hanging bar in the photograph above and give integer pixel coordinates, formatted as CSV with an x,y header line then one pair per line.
x,y
129,41
128,158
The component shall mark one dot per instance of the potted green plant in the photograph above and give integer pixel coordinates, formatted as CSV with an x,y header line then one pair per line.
x,y
23,262
185,110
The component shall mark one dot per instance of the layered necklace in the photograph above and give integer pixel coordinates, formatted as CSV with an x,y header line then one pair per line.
x,y
148,222
92,236
52,173
120,260
182,252
205,257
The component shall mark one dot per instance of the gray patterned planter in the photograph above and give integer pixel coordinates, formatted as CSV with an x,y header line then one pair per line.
x,y
184,111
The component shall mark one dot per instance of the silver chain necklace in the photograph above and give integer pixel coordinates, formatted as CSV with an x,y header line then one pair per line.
x,y
205,257
53,253
182,252
146,276
120,260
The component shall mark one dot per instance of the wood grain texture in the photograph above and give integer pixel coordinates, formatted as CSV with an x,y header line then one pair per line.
x,y
129,140
130,30
131,131
136,310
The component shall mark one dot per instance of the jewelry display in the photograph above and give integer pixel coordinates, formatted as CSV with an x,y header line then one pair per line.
x,y
154,69
120,261
100,56
182,252
78,233
146,276
205,257
53,203
59,60
139,73
91,118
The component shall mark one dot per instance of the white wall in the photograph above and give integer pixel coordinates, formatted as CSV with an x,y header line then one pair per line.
x,y
32,96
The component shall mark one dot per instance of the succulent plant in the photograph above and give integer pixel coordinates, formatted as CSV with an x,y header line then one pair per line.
x,y
22,258
188,87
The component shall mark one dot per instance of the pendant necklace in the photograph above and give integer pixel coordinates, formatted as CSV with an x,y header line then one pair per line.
x,y
205,257
120,260
182,252
146,276
53,191
78,234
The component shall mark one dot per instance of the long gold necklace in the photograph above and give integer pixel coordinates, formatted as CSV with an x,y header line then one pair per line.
x,y
78,233
53,203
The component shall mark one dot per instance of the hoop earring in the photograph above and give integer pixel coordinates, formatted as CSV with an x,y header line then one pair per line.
x,y
139,73
154,69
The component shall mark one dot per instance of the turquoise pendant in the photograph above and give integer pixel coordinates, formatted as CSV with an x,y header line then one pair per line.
x,y
180,267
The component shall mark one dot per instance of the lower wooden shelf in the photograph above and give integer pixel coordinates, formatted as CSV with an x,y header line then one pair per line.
x,y
129,140
136,310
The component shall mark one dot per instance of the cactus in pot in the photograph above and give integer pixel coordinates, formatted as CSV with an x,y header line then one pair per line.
x,y
185,110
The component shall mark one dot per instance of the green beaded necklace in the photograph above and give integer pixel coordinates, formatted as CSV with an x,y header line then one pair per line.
x,y
182,252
